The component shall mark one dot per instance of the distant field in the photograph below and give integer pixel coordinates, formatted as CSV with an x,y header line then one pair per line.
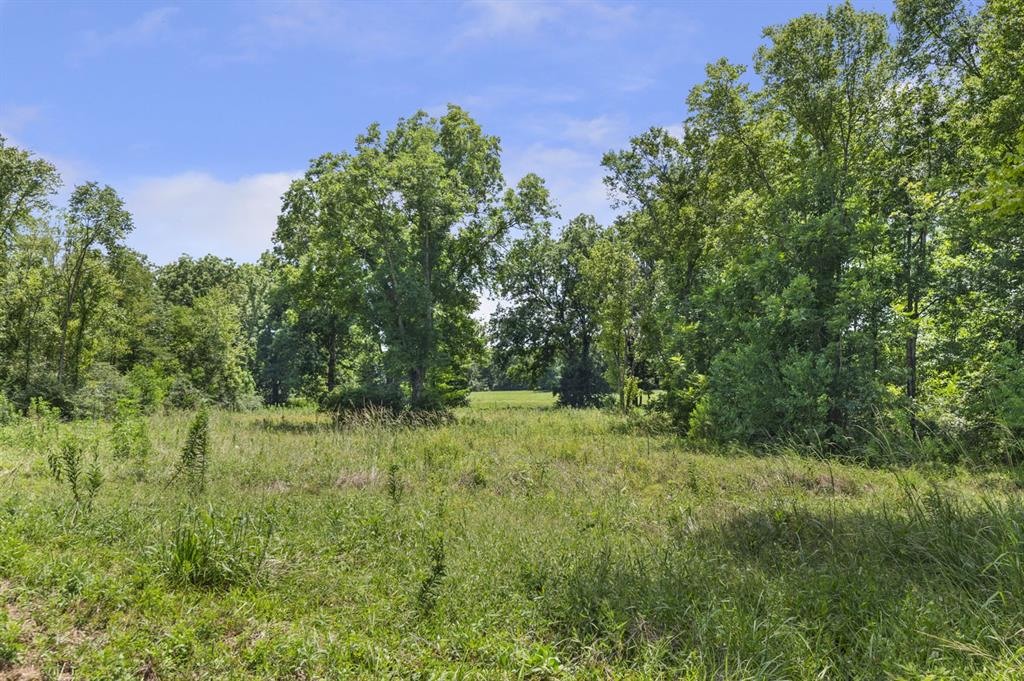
x,y
503,399
514,543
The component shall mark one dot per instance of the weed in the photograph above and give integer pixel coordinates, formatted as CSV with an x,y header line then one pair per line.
x,y
208,550
10,646
196,453
426,598
129,435
67,466
395,486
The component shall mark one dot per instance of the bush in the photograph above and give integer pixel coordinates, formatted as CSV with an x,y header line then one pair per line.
x,y
449,387
8,412
210,551
183,395
129,435
581,384
148,386
68,466
247,402
99,395
388,397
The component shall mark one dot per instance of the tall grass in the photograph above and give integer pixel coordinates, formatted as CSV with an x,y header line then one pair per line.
x,y
210,550
506,543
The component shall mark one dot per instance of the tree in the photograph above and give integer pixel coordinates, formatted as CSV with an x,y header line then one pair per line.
x,y
405,228
26,185
208,348
546,321
616,290
186,279
96,218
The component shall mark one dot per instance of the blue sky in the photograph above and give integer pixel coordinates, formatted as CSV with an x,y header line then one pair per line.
x,y
200,113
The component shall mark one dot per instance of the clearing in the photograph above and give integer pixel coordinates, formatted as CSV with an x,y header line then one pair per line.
x,y
517,541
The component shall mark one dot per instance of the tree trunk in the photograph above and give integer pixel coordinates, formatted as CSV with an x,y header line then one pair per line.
x,y
332,361
911,389
416,380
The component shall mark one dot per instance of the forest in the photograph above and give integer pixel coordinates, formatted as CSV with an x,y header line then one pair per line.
x,y
767,423
833,257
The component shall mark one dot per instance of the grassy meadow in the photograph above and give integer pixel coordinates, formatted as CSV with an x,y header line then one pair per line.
x,y
516,541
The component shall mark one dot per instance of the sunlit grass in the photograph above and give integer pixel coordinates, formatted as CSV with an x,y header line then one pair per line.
x,y
505,399
512,543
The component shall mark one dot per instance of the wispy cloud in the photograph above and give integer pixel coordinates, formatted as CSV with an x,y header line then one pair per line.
x,y
14,119
361,30
574,177
152,27
197,213
491,20
503,96
502,18
600,131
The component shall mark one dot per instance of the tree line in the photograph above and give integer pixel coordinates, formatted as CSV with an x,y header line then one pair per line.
x,y
831,252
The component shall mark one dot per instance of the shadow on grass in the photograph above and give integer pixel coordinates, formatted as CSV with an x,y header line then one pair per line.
x,y
929,583
287,426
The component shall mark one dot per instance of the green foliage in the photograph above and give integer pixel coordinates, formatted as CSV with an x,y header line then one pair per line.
x,y
206,341
549,320
426,597
186,280
397,236
8,412
129,435
182,394
580,382
10,645
816,259
196,452
102,390
67,465
388,397
395,487
149,386
211,551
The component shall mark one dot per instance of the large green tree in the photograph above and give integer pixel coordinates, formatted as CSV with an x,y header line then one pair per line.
x,y
405,229
546,321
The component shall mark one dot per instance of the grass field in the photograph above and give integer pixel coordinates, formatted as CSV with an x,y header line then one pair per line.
x,y
512,399
510,543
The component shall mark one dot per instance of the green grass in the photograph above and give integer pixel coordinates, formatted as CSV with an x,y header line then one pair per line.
x,y
509,399
511,543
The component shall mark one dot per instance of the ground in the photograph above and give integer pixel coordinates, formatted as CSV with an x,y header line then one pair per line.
x,y
518,542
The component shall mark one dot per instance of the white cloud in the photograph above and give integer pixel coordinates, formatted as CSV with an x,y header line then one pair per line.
x,y
366,31
151,27
14,119
506,96
601,131
502,18
575,178
505,19
196,213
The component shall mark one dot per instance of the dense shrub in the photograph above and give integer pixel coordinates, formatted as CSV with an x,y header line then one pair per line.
x,y
149,386
183,395
103,388
8,412
582,383
129,434
379,396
